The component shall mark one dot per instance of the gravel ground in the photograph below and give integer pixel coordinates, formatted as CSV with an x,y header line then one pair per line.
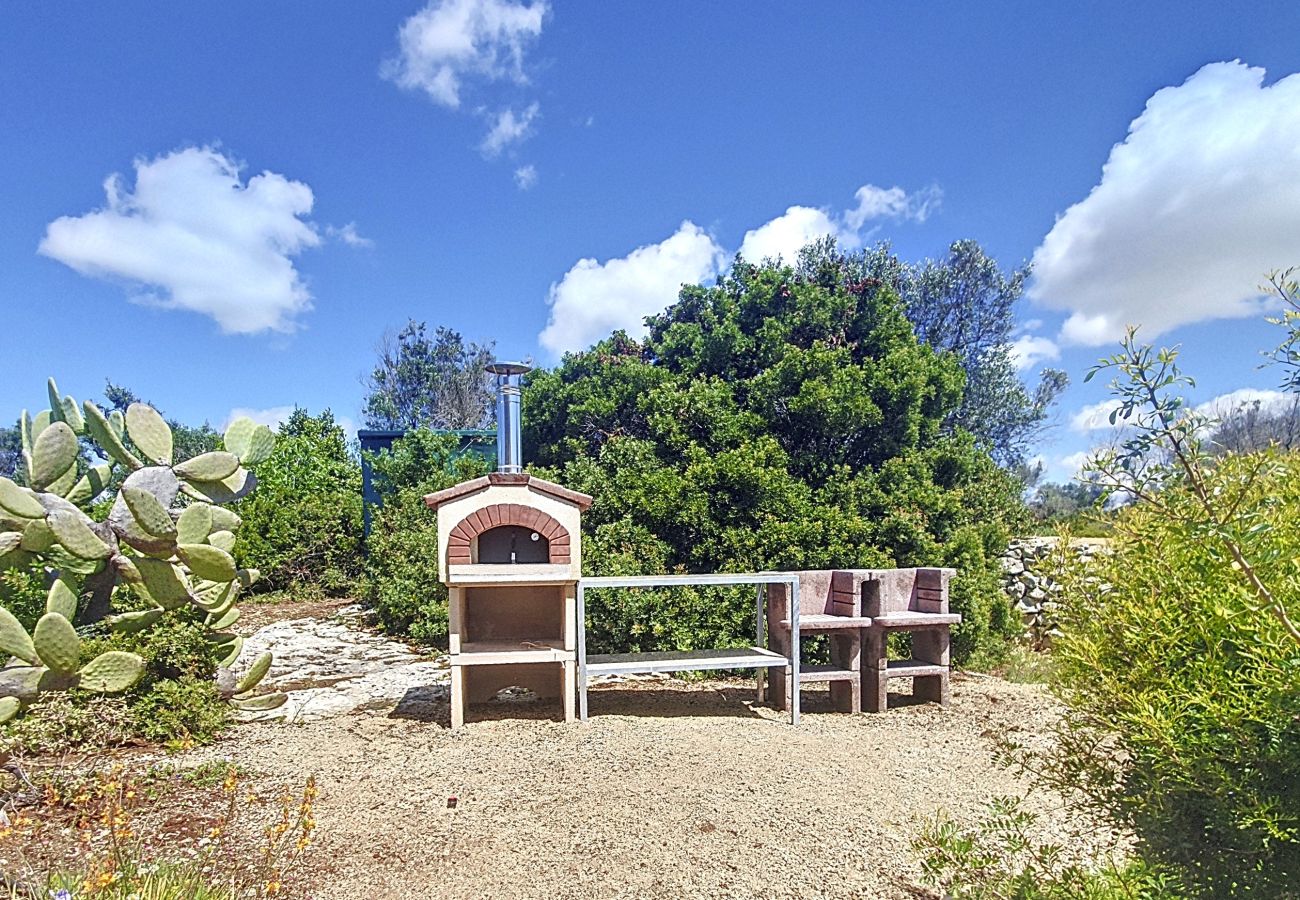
x,y
672,789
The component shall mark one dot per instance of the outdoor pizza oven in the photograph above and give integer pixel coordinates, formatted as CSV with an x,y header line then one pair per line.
x,y
509,551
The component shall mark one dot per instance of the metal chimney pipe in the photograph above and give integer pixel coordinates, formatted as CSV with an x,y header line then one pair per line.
x,y
510,457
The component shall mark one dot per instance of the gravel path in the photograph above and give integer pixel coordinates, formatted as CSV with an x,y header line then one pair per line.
x,y
672,789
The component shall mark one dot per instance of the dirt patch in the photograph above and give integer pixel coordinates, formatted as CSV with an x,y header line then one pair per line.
x,y
672,789
253,613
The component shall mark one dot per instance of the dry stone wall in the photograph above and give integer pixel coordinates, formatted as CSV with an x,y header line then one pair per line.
x,y
1027,580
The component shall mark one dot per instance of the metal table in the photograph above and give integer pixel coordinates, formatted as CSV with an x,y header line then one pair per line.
x,y
756,657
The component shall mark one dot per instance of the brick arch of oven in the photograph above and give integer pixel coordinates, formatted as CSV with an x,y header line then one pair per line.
x,y
499,514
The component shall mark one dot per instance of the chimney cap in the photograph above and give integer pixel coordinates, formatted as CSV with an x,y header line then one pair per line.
x,y
508,368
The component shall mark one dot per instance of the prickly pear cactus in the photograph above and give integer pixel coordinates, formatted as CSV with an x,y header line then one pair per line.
x,y
166,535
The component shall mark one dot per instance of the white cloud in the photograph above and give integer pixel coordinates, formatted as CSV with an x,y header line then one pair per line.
x,y
1095,416
783,237
594,298
192,235
1199,201
1071,465
349,235
1222,405
892,203
272,416
275,416
450,41
1028,350
508,128
526,177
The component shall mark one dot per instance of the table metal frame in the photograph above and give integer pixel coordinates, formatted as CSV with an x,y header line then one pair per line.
x,y
745,659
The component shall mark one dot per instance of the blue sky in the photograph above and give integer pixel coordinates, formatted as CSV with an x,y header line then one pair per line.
x,y
290,180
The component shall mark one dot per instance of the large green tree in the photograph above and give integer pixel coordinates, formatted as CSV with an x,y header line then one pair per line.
x,y
782,419
423,381
964,304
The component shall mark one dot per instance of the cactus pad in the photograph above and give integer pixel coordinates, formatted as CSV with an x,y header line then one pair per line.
x,y
261,703
260,445
111,672
223,539
152,515
150,433
64,484
227,490
72,415
91,485
62,599
165,584
225,620
53,452
76,536
8,708
194,524
37,536
238,434
130,622
232,651
208,562
14,639
19,502
225,520
256,672
109,438
57,643
212,466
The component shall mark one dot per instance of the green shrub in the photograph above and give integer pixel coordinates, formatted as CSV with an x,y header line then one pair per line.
x,y
23,593
302,526
59,722
401,567
1000,857
181,711
1182,710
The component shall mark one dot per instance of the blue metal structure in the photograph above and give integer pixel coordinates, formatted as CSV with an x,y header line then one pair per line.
x,y
479,441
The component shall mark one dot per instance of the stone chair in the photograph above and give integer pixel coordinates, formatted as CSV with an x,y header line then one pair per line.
x,y
823,609
912,600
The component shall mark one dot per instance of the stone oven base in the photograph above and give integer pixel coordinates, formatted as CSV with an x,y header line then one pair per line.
x,y
472,684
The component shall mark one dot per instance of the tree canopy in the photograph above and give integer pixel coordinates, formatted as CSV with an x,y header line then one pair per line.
x,y
433,382
964,304
782,419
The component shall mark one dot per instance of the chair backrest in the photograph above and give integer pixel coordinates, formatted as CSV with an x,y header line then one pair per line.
x,y
906,590
816,596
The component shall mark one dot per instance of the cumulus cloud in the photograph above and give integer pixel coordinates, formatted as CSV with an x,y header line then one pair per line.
x,y
892,203
275,416
450,41
1193,207
193,235
595,298
349,235
271,416
526,177
1096,416
508,128
783,237
1028,350
1224,404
